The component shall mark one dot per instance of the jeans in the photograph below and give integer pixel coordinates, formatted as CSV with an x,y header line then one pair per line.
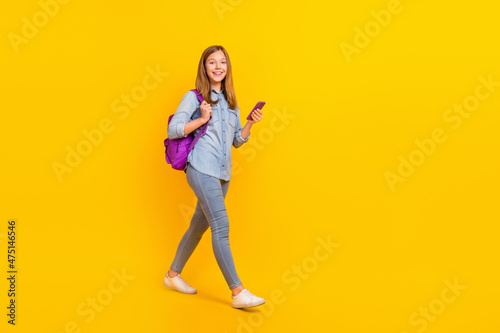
x,y
210,211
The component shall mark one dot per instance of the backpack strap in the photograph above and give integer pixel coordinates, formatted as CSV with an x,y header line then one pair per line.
x,y
203,129
198,95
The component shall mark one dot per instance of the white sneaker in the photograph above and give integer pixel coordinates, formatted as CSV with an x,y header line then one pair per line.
x,y
178,284
246,299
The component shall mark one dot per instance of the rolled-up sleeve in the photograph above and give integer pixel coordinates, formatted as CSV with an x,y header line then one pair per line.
x,y
187,107
238,140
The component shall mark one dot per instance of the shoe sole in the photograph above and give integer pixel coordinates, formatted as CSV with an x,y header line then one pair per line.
x,y
167,284
248,306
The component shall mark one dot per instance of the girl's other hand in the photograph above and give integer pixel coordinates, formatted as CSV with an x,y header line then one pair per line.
x,y
206,111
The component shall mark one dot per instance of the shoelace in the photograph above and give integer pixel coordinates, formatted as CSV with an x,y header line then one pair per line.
x,y
252,296
248,294
183,282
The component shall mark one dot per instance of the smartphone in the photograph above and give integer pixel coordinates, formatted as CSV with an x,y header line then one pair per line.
x,y
259,106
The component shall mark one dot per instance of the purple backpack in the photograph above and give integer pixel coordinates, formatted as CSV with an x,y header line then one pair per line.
x,y
177,150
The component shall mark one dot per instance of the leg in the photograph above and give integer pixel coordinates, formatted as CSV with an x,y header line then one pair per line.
x,y
189,241
225,186
210,194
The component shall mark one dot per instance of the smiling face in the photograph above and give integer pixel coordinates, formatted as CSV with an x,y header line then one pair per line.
x,y
216,67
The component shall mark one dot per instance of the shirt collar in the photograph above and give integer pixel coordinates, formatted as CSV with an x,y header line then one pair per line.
x,y
221,90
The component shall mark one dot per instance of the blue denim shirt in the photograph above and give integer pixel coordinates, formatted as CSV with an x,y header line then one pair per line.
x,y
212,153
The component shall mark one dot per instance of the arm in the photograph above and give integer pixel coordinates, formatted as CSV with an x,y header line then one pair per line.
x,y
243,134
193,124
238,139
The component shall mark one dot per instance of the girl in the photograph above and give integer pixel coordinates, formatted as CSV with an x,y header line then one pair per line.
x,y
208,168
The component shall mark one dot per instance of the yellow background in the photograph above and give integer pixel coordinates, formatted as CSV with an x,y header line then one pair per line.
x,y
317,174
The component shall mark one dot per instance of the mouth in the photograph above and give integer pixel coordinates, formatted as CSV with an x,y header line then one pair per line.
x,y
217,74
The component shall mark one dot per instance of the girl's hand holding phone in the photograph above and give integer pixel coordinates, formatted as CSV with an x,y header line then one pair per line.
x,y
256,114
206,111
